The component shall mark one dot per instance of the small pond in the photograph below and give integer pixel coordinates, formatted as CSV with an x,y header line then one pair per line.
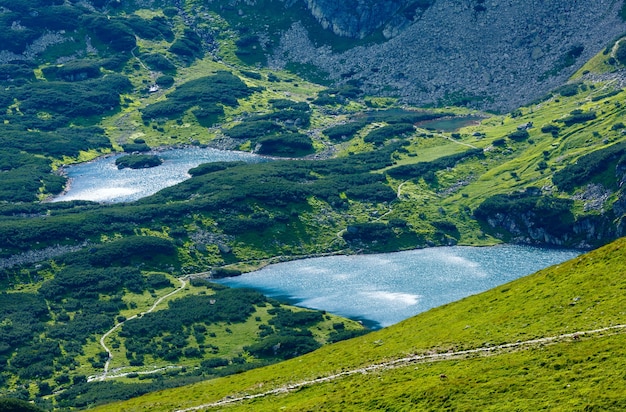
x,y
450,124
101,181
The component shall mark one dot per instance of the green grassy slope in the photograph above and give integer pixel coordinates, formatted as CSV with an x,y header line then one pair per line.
x,y
587,293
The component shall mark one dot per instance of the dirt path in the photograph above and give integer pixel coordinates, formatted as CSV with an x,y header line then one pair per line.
x,y
103,376
458,142
428,358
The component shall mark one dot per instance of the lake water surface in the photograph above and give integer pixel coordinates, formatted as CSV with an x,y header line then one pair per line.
x,y
101,181
384,289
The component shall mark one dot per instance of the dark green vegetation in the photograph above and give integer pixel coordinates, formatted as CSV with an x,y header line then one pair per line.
x,y
32,347
17,405
277,133
36,121
576,372
207,94
47,331
138,161
591,168
371,177
344,131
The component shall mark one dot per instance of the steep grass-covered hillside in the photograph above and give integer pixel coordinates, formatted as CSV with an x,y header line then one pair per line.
x,y
551,340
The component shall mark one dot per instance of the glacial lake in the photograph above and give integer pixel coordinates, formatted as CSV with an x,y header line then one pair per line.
x,y
384,289
101,181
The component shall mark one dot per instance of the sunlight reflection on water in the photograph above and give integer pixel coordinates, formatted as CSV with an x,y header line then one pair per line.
x,y
101,181
385,289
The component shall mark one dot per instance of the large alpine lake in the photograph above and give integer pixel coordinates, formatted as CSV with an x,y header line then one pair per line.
x,y
384,289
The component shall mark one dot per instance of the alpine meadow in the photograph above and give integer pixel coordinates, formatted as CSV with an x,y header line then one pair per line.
x,y
362,127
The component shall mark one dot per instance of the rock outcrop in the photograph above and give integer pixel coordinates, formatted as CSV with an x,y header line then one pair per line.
x,y
359,18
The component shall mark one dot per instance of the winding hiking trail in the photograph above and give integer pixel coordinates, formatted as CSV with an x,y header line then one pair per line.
x,y
427,358
103,376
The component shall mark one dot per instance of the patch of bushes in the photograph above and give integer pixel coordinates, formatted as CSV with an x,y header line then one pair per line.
x,y
16,72
156,28
578,116
286,104
158,281
87,282
165,81
136,146
189,46
298,118
284,346
285,318
138,161
529,210
206,168
252,130
367,232
214,363
324,99
87,98
382,134
285,145
113,32
206,92
247,45
158,62
25,312
219,273
606,95
340,335
550,128
344,131
75,70
519,135
568,90
252,75
589,167
18,405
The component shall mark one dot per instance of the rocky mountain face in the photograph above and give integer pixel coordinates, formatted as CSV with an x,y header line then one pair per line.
x,y
359,18
491,54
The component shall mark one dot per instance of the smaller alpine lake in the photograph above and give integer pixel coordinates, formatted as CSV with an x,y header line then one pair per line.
x,y
101,181
384,289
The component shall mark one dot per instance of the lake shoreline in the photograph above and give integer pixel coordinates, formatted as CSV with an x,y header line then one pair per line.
x,y
99,180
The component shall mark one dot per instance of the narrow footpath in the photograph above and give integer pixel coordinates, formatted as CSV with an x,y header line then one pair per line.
x,y
103,376
397,363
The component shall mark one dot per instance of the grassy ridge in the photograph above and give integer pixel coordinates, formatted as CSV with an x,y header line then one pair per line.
x,y
585,293
563,377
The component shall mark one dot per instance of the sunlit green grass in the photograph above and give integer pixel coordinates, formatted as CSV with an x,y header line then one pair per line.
x,y
583,294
